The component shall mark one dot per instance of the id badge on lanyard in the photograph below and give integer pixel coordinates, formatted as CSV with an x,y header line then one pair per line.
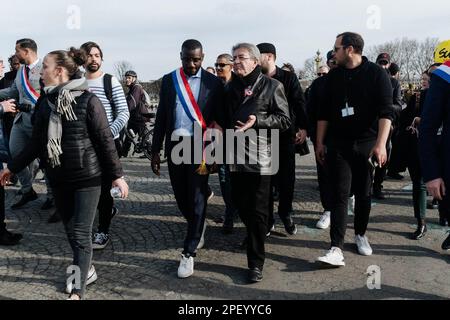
x,y
347,111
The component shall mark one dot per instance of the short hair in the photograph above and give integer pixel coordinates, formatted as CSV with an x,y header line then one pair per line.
x,y
251,48
27,44
88,46
11,58
191,45
288,66
352,39
225,56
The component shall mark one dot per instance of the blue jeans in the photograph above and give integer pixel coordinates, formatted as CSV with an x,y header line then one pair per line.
x,y
77,209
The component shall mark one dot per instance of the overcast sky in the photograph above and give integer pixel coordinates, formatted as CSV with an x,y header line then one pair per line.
x,y
149,34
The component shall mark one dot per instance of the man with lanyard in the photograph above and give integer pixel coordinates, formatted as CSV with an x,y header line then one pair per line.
x,y
190,100
25,90
356,112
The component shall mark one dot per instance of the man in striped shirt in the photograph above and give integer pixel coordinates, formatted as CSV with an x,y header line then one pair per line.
x,y
116,108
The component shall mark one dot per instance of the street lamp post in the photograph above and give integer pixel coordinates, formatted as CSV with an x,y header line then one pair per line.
x,y
318,60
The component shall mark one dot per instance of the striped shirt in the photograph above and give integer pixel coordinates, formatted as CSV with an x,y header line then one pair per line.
x,y
119,118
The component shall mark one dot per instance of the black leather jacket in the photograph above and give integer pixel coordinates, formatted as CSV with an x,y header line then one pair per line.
x,y
269,104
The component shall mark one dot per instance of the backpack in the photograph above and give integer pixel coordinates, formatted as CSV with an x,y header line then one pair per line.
x,y
107,85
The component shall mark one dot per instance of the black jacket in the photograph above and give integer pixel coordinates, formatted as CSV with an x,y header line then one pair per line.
x,y
296,101
397,100
269,104
368,90
316,91
210,102
87,144
135,98
435,155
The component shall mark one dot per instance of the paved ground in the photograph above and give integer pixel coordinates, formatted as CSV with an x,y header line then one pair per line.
x,y
147,235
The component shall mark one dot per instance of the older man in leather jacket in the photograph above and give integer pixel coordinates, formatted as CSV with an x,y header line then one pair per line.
x,y
257,109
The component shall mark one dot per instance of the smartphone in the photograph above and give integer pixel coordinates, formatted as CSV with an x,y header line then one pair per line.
x,y
374,162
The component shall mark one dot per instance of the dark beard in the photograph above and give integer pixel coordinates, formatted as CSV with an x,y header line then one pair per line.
x,y
91,68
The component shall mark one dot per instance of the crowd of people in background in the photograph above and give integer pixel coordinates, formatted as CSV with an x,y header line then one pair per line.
x,y
364,127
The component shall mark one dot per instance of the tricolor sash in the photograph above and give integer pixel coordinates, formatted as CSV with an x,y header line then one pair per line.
x,y
444,71
186,97
32,94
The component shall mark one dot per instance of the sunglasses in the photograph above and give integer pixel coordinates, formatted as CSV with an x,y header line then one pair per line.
x,y
383,63
222,65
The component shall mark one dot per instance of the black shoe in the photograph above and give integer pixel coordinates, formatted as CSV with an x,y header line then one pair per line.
x,y
446,243
433,205
289,225
420,232
27,197
9,239
379,194
54,218
255,275
48,204
395,175
443,222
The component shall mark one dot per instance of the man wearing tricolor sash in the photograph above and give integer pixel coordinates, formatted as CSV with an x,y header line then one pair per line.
x,y
190,101
26,91
434,151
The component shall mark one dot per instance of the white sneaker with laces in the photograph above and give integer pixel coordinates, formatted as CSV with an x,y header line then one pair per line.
x,y
92,277
186,268
325,221
201,244
334,257
363,245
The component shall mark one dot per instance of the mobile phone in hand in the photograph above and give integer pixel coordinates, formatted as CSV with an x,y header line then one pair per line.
x,y
374,162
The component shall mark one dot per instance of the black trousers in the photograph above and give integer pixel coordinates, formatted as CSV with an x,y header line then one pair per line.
x,y
191,192
285,180
137,128
251,194
106,202
350,170
2,210
323,177
415,171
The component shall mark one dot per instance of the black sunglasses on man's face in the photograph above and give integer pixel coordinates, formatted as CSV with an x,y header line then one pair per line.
x,y
221,65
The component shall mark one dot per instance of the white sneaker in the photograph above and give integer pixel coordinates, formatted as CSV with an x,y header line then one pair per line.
x,y
333,257
351,206
325,220
363,245
92,277
201,244
186,268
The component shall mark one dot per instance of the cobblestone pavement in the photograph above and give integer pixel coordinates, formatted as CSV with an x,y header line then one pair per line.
x,y
147,234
